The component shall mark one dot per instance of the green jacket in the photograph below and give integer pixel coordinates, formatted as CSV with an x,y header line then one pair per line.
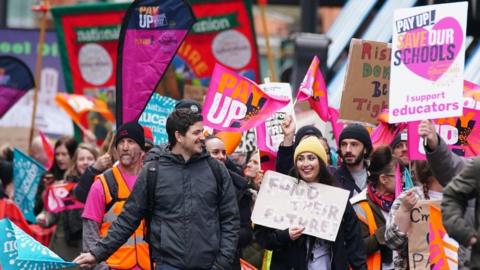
x,y
456,195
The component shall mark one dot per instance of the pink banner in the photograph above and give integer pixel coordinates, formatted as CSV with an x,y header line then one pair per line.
x,y
462,134
59,197
234,103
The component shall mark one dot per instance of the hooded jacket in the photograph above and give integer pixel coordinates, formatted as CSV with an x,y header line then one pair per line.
x,y
192,227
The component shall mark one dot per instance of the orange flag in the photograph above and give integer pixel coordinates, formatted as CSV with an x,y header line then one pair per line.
x,y
78,106
443,249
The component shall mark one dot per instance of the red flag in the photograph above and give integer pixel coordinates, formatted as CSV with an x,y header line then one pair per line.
x,y
47,147
314,90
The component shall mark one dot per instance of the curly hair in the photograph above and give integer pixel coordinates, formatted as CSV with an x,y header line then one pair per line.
x,y
180,120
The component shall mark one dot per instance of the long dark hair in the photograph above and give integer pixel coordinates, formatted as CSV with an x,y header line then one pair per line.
x,y
323,177
423,173
71,144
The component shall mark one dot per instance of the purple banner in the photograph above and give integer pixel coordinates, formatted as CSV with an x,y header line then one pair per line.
x,y
151,33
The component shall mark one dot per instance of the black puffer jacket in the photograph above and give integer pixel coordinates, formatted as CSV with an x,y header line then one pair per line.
x,y
348,251
192,226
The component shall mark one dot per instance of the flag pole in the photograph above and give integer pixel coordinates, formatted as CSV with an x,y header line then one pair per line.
x,y
271,65
38,65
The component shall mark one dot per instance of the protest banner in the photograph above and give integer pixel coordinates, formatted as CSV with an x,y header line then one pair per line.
x,y
365,92
235,103
59,197
22,44
16,80
284,202
20,251
224,33
248,141
26,176
428,55
270,133
418,249
155,116
151,33
461,134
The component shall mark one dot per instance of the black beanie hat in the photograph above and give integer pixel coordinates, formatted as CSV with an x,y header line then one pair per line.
x,y
131,130
357,132
307,130
401,137
190,104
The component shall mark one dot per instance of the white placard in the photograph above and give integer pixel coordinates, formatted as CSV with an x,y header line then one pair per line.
x,y
285,202
428,55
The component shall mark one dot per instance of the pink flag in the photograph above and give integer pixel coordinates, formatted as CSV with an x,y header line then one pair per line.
x,y
337,126
462,134
398,181
235,103
47,147
314,90
385,133
58,198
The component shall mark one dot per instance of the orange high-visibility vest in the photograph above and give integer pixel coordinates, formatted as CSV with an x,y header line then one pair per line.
x,y
365,214
135,250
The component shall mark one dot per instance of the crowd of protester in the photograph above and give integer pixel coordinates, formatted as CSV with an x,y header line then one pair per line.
x,y
188,205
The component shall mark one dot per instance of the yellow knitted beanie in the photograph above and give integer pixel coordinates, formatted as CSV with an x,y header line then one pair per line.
x,y
311,144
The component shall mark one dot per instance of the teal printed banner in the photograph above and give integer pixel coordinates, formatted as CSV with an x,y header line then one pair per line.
x,y
26,176
20,251
155,116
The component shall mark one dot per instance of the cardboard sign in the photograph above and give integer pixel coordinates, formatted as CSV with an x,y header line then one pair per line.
x,y
365,92
418,245
428,55
284,202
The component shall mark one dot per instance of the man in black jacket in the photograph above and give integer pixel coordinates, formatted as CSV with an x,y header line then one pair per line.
x,y
354,148
195,219
216,147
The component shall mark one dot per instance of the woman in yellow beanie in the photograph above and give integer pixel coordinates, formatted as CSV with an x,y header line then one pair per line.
x,y
294,250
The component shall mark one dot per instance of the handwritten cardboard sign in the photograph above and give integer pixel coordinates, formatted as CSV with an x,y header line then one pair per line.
x,y
365,93
418,245
284,202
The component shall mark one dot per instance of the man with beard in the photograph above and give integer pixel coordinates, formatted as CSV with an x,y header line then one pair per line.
x,y
106,199
187,198
400,148
354,148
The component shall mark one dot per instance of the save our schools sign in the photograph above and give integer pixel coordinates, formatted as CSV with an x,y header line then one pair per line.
x,y
235,103
284,202
428,54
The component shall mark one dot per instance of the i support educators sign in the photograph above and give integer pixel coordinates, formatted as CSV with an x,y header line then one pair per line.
x,y
284,202
428,53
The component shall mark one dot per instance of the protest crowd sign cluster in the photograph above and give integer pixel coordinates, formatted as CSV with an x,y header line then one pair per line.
x,y
165,149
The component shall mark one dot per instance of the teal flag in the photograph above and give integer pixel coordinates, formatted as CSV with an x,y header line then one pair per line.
x,y
20,251
26,176
155,116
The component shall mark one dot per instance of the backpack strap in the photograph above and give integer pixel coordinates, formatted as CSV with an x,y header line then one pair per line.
x,y
112,188
151,186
